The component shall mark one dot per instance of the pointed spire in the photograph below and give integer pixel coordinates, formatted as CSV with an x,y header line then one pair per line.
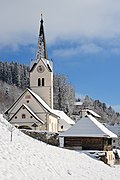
x,y
42,50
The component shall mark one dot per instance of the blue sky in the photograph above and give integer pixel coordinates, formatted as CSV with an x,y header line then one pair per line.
x,y
83,39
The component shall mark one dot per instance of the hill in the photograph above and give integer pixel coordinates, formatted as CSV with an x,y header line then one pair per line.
x,y
29,159
14,78
107,113
8,94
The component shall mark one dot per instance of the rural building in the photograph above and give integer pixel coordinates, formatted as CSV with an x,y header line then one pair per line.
x,y
34,107
87,134
115,128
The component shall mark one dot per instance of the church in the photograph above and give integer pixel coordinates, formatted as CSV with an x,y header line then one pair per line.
x,y
33,109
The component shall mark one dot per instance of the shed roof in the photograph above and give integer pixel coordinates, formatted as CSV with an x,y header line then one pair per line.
x,y
88,127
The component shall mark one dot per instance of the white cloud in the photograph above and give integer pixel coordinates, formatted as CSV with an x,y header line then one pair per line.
x,y
19,20
89,48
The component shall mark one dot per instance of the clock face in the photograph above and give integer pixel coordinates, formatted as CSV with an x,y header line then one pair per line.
x,y
40,69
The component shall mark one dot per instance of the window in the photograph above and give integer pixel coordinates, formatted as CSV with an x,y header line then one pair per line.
x,y
39,82
28,96
31,117
62,127
43,82
27,101
23,116
15,117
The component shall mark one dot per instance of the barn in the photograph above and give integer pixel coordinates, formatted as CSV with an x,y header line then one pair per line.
x,y
87,134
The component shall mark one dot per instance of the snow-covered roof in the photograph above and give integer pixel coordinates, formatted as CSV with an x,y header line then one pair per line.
x,y
79,103
41,101
88,127
62,115
32,113
58,113
46,62
114,128
92,112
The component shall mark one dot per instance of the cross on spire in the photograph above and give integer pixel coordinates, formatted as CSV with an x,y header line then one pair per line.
x,y
41,50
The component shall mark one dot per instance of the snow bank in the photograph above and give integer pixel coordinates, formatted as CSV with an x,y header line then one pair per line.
x,y
28,159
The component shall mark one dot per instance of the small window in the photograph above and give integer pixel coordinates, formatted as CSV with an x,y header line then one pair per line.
x,y
43,82
61,127
31,117
23,107
28,96
39,82
15,117
114,141
23,116
27,101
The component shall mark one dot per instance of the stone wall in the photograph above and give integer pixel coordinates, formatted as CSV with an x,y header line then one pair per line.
x,y
47,137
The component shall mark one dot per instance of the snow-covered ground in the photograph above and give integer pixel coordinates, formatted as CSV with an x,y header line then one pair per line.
x,y
28,159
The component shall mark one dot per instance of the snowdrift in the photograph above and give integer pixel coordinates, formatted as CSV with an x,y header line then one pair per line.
x,y
28,159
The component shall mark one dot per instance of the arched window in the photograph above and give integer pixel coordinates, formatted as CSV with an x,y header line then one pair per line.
x,y
43,82
23,116
39,82
62,127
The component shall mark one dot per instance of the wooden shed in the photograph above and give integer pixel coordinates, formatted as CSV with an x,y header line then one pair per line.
x,y
87,134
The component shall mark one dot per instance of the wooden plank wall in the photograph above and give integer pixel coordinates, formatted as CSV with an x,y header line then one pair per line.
x,y
87,143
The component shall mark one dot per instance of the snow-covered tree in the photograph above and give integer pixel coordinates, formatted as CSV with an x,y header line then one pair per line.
x,y
64,96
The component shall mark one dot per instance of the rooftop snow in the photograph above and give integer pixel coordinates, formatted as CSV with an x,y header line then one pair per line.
x,y
88,127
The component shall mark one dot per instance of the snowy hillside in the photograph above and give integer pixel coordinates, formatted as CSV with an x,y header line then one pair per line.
x,y
28,159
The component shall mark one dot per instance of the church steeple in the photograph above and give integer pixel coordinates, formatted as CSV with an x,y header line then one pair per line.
x,y
41,50
41,71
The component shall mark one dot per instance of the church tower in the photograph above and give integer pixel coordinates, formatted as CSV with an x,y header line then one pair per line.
x,y
41,70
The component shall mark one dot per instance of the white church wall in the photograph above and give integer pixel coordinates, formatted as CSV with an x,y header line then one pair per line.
x,y
52,124
46,91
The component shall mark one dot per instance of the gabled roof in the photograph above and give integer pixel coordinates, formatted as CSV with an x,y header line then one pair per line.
x,y
42,102
88,127
56,113
30,111
62,115
47,63
38,98
33,114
